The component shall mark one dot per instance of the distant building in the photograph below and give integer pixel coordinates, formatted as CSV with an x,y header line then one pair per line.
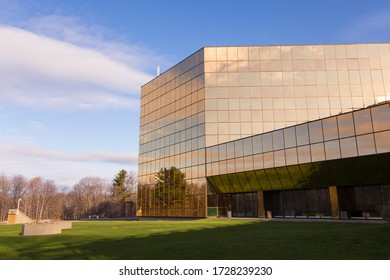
x,y
287,131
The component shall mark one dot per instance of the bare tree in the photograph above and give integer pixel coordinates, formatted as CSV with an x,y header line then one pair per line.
x,y
43,199
47,194
4,197
69,205
18,188
33,199
86,198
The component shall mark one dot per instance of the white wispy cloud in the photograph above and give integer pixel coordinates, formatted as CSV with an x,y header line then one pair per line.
x,y
63,64
371,27
25,157
23,149
72,29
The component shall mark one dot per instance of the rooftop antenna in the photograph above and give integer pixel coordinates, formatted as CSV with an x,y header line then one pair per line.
x,y
158,71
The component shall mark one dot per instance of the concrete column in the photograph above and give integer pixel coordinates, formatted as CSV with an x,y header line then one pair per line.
x,y
334,202
260,199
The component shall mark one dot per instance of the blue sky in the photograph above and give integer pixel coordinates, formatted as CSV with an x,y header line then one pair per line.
x,y
71,71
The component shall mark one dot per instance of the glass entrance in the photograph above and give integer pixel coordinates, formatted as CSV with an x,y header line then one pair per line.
x,y
245,205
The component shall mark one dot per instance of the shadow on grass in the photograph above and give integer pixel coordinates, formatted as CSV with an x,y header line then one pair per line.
x,y
187,241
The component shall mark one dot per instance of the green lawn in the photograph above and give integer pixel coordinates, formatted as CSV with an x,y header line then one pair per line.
x,y
201,239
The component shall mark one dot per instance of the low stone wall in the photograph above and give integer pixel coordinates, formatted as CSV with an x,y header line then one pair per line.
x,y
45,229
65,224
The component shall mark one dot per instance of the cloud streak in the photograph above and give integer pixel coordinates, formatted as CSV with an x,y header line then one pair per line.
x,y
72,30
371,27
26,158
22,149
40,71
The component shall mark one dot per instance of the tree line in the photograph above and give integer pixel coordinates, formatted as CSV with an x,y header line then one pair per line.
x,y
42,199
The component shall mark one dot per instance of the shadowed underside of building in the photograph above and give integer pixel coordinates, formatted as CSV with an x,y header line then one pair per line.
x,y
282,131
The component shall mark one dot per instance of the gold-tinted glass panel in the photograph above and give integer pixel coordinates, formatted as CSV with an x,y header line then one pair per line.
x,y
345,125
330,128
317,152
363,122
315,132
381,117
348,147
304,154
302,134
289,137
257,144
382,141
291,156
366,144
267,142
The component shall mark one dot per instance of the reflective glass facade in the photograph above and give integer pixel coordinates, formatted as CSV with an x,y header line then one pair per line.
x,y
245,126
251,90
172,140
295,166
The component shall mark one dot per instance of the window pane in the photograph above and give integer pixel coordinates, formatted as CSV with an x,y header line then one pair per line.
x,y
214,153
317,152
279,158
304,154
239,164
267,142
330,128
302,134
248,163
382,141
381,117
345,123
332,150
278,140
257,144
289,137
214,168
230,166
258,161
230,150
208,155
291,156
222,152
238,149
348,147
268,160
366,144
248,146
363,122
222,167
315,132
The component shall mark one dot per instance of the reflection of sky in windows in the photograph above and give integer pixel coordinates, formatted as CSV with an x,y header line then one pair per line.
x,y
252,90
312,142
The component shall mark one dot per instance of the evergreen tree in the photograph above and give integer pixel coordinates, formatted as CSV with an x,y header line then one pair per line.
x,y
119,184
170,187
123,191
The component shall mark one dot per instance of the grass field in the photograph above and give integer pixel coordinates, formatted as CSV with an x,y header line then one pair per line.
x,y
201,239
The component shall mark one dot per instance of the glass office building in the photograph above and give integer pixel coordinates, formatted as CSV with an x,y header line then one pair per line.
x,y
288,131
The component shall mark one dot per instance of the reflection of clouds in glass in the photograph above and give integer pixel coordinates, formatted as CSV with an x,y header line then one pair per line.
x,y
348,147
366,144
382,141
332,149
304,154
